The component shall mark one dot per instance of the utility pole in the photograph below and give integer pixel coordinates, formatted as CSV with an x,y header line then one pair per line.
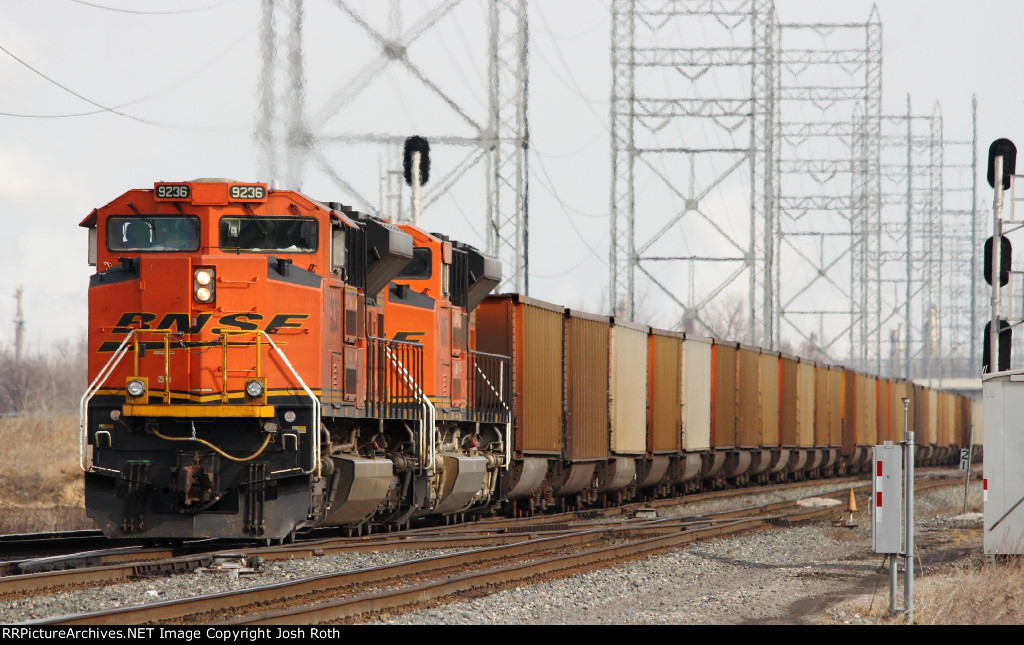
x,y
19,326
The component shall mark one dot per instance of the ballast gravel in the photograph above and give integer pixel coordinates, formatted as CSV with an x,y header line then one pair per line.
x,y
158,589
781,576
778,575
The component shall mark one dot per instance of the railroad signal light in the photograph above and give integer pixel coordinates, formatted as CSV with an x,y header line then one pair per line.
x,y
420,145
1002,148
1005,251
1005,337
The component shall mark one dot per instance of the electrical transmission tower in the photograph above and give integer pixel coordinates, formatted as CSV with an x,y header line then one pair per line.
x,y
764,137
909,246
692,125
351,128
962,233
829,104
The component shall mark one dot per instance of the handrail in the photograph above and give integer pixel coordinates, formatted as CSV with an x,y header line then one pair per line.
x,y
429,412
122,349
90,392
314,431
507,424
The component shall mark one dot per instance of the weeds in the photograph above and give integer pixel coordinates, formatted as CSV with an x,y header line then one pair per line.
x,y
41,485
980,593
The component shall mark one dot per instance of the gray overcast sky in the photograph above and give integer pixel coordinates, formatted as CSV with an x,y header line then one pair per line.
x,y
183,75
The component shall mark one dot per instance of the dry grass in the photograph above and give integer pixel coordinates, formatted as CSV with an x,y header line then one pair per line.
x,y
980,593
41,485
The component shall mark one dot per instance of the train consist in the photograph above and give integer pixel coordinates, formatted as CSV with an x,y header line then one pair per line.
x,y
262,363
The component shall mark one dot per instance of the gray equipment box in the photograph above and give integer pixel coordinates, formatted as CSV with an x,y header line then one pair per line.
x,y
886,499
1004,462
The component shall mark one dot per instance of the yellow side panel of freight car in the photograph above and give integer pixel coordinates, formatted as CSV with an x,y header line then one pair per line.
x,y
769,365
696,394
805,404
629,389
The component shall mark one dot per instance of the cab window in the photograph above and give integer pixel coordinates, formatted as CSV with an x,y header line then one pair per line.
x,y
418,267
153,233
259,233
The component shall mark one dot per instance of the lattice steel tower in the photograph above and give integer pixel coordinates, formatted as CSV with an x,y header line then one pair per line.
x,y
829,104
294,140
963,235
692,126
908,246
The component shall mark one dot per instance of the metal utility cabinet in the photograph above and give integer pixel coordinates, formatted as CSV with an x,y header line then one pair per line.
x,y
1004,462
887,499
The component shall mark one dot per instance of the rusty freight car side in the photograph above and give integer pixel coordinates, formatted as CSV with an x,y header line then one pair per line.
x,y
822,405
750,395
882,410
664,392
805,403
924,431
788,400
836,404
867,419
723,394
851,416
899,389
530,332
769,365
587,383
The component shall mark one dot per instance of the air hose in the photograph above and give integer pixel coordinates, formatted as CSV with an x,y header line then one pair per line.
x,y
266,441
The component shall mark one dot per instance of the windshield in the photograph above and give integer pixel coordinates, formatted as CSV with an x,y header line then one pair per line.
x,y
288,234
153,233
418,267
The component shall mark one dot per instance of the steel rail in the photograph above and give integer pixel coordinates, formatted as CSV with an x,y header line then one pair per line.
x,y
354,607
677,531
114,567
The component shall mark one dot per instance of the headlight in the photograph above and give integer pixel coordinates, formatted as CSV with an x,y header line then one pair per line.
x,y
254,389
204,277
136,388
203,281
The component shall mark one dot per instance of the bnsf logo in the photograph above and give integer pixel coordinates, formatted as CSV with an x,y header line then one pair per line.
x,y
409,336
245,321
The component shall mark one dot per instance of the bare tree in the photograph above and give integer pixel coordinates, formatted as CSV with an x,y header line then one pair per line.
x,y
51,380
724,318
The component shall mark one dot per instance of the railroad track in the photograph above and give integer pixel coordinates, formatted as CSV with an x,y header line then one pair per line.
x,y
349,595
113,565
94,559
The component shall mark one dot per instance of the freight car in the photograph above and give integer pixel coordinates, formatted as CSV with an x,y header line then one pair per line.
x,y
263,363
718,413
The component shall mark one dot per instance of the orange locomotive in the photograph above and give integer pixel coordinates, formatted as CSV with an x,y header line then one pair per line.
x,y
255,371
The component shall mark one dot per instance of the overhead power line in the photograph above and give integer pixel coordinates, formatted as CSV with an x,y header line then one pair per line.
x,y
102,108
151,13
191,75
